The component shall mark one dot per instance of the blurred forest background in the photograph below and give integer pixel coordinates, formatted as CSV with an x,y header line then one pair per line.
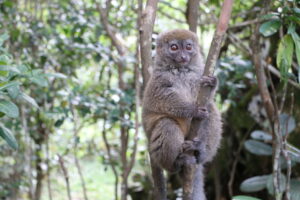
x,y
71,79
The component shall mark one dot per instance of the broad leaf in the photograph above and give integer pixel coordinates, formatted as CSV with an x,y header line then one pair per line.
x,y
254,184
282,184
258,148
295,189
296,39
287,124
3,37
7,85
242,197
285,55
9,108
14,91
56,75
29,100
261,135
270,27
39,80
7,135
9,68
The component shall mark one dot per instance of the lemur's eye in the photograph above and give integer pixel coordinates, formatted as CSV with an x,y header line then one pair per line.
x,y
188,47
174,47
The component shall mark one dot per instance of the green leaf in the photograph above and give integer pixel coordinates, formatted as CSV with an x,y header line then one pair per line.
x,y
296,39
254,184
7,135
9,68
56,75
14,91
258,148
9,108
261,135
296,10
270,27
242,197
295,189
3,37
285,55
59,122
294,156
4,86
287,124
270,16
29,100
282,183
39,80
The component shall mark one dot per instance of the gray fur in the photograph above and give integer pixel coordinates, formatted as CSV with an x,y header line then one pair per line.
x,y
170,110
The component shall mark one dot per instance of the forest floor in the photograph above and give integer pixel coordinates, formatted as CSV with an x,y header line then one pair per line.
x,y
99,181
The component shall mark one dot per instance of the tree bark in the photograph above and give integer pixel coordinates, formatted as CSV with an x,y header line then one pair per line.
x,y
270,106
213,54
148,19
192,14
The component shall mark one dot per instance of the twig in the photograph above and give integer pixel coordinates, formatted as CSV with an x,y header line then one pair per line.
x,y
246,23
170,16
48,170
239,44
110,158
28,148
137,94
77,164
286,154
66,176
167,3
277,73
235,162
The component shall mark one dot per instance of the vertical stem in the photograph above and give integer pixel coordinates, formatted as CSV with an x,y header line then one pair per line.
x,y
77,164
28,149
110,159
66,176
48,170
148,19
192,14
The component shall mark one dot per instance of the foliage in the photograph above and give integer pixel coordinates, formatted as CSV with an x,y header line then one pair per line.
x,y
61,95
287,17
258,183
12,76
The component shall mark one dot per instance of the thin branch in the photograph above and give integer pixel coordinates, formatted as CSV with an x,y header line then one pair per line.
x,y
48,170
235,162
110,158
167,3
28,150
75,148
271,110
246,23
170,16
215,48
238,43
137,93
109,30
277,73
209,69
285,152
66,175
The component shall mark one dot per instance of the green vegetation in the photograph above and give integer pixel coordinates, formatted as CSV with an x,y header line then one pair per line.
x,y
71,83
